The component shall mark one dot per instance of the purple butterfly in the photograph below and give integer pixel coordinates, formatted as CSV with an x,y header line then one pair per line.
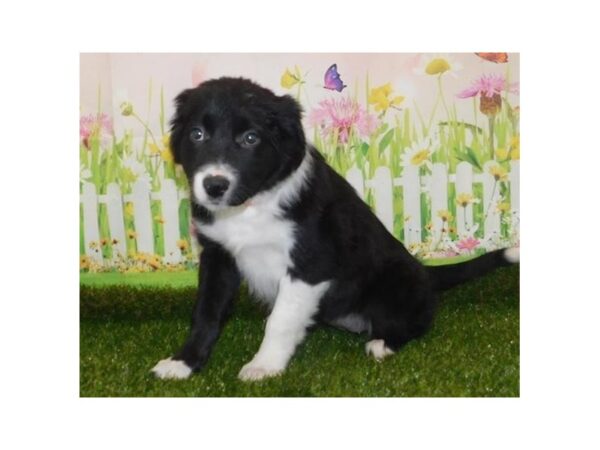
x,y
333,81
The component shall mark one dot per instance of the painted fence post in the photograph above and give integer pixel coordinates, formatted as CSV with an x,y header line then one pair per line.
x,y
514,188
383,193
195,246
491,195
170,212
91,230
355,178
411,185
439,197
142,216
464,185
114,209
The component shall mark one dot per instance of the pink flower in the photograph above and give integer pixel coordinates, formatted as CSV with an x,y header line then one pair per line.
x,y
342,115
97,125
468,244
489,85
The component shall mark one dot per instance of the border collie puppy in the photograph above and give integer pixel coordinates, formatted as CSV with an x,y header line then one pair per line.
x,y
269,210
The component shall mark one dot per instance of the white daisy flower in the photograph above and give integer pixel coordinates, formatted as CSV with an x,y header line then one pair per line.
x,y
438,64
420,153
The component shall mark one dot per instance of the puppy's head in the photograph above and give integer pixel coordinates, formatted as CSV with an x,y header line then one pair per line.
x,y
235,139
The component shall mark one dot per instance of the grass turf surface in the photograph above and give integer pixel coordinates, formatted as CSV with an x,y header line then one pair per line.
x,y
130,322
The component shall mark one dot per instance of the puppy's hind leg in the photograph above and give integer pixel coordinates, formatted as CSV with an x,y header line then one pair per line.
x,y
401,309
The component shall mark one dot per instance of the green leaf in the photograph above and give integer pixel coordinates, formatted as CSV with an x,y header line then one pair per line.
x,y
385,140
364,149
472,158
468,156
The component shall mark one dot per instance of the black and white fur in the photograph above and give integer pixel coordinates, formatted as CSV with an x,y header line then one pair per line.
x,y
269,210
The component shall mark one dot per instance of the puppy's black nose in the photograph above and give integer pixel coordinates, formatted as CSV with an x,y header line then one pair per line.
x,y
215,186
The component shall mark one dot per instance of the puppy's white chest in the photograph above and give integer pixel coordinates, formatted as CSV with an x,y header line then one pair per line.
x,y
260,242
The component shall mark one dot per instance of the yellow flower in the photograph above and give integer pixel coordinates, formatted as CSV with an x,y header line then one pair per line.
x,y
414,248
515,148
465,199
164,151
93,245
131,234
515,154
126,109
166,155
503,207
154,149
140,257
445,215
499,173
289,80
153,261
429,226
129,209
379,97
182,244
84,262
159,219
501,154
437,66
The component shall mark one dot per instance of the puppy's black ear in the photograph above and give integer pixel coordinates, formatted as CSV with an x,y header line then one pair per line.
x,y
289,120
179,121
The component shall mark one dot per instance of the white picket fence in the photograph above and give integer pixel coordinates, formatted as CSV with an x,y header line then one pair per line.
x,y
381,186
140,197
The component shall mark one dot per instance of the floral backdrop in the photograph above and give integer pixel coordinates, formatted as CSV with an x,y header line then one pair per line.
x,y
411,114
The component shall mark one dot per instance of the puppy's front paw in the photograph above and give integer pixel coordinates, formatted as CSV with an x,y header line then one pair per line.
x,y
255,371
172,369
378,349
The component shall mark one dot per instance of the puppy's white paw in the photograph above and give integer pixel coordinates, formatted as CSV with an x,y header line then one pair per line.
x,y
378,349
513,255
256,371
171,369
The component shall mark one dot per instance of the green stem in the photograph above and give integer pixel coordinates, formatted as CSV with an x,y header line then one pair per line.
x,y
138,118
441,90
149,131
435,106
491,140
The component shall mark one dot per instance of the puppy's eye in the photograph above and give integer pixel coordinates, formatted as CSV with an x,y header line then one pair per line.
x,y
197,134
251,139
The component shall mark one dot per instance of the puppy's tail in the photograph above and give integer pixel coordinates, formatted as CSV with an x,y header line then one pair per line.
x,y
451,275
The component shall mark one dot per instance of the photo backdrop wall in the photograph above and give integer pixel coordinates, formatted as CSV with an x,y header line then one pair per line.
x,y
429,141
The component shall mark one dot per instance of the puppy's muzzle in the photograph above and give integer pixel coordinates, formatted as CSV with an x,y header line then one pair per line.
x,y
215,186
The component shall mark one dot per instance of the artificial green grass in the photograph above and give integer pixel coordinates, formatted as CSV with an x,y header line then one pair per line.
x,y
186,278
472,349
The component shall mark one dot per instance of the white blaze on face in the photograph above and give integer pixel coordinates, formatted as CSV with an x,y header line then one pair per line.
x,y
212,170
